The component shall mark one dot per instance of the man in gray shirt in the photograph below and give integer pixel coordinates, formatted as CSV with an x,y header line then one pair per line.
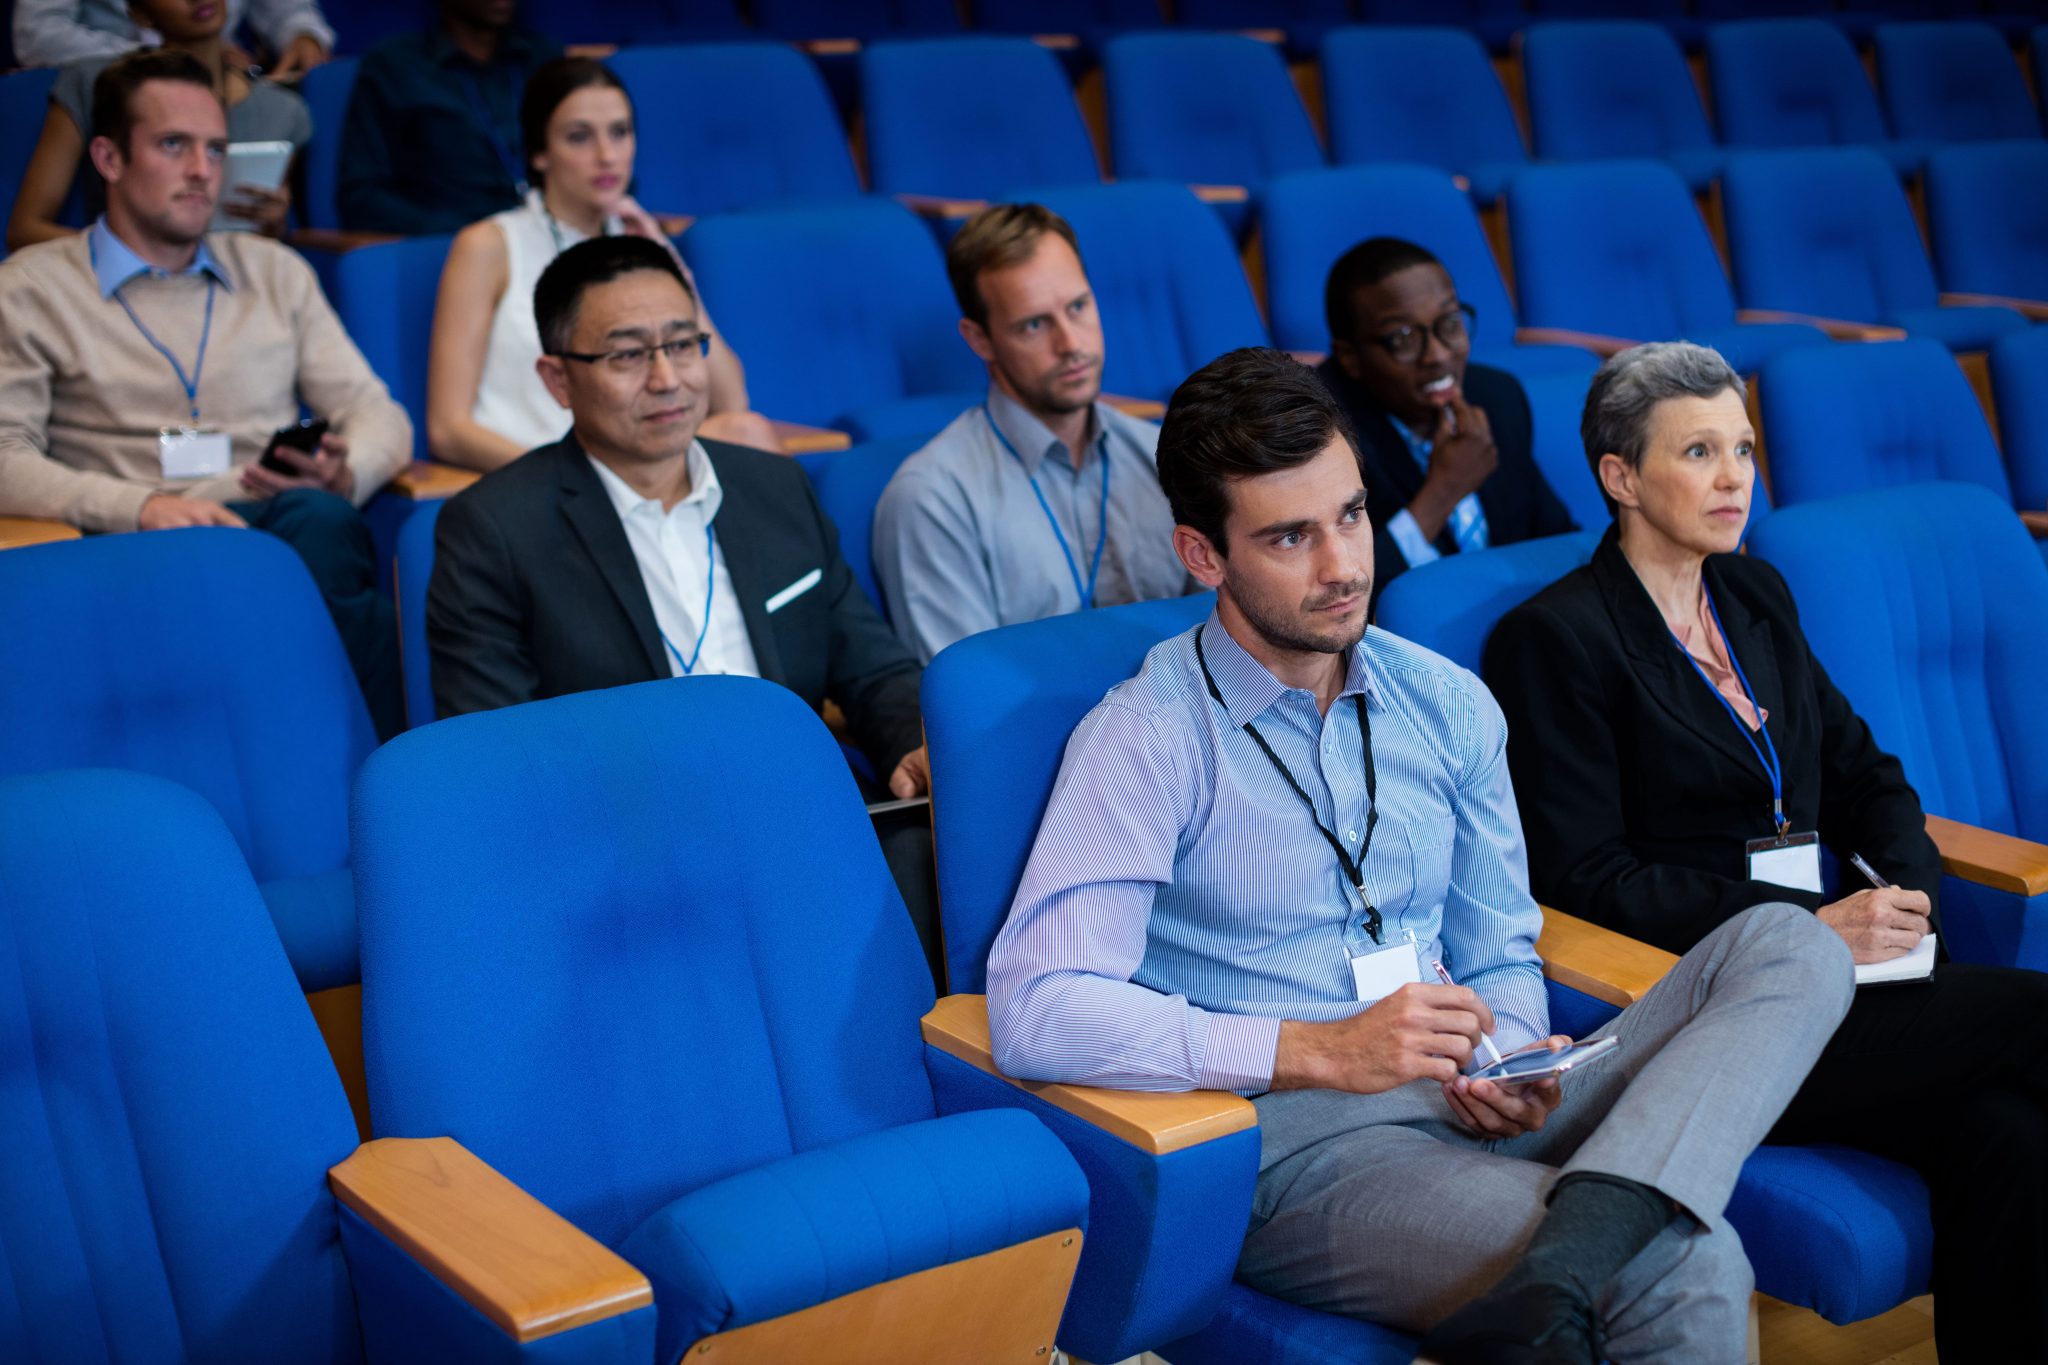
x,y
1042,499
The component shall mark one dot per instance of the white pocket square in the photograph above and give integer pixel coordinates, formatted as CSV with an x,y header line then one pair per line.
x,y
795,590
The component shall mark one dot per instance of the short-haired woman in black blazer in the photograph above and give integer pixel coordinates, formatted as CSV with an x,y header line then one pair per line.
x,y
1650,697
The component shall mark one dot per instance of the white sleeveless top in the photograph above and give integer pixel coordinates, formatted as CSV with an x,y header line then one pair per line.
x,y
510,399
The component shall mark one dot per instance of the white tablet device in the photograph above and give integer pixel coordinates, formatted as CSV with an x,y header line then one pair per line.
x,y
260,165
1536,1064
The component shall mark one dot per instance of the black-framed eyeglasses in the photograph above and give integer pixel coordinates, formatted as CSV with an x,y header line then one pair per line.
x,y
1453,329
630,360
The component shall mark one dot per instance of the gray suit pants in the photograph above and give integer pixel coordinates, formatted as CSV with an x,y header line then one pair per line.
x,y
1384,1207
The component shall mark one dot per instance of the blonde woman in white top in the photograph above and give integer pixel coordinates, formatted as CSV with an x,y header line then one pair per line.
x,y
485,404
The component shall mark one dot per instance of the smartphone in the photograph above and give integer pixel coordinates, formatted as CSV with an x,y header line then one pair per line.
x,y
303,437
1536,1064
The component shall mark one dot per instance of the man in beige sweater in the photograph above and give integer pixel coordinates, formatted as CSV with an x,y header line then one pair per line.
x,y
144,366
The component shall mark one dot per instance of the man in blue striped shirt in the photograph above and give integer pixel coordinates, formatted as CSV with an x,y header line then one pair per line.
x,y
1254,854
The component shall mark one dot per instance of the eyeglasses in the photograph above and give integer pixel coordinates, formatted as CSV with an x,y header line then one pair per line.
x,y
634,360
1453,329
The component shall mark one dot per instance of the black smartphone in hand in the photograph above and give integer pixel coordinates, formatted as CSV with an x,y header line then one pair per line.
x,y
303,437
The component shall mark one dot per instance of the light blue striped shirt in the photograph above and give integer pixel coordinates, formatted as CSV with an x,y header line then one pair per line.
x,y
1179,902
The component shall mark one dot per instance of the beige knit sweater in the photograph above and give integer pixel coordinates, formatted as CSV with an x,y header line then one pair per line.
x,y
83,395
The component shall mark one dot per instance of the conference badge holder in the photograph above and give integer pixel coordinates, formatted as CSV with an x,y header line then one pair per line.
x,y
1788,860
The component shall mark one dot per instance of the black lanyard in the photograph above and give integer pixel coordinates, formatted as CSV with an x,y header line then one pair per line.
x,y
1354,870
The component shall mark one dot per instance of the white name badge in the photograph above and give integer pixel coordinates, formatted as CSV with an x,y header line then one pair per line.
x,y
1791,860
192,452
1377,975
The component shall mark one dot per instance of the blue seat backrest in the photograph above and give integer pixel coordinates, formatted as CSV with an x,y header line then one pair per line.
x,y
832,309
971,117
677,891
1416,94
370,22
414,571
998,708
849,484
1260,13
1166,278
24,98
1924,603
205,657
1204,108
1825,231
1952,81
732,125
384,296
1615,247
1452,605
855,18
326,90
1314,217
633,22
1065,16
1987,210
1790,83
170,1111
1610,88
1840,419
2019,379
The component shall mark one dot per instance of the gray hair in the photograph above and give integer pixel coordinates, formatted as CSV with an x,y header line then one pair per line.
x,y
1631,384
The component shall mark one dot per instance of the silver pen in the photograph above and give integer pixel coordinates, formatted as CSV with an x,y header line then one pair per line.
x,y
1869,872
1485,1039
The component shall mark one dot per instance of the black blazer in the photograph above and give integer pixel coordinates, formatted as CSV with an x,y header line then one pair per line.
x,y
1518,504
1638,792
536,594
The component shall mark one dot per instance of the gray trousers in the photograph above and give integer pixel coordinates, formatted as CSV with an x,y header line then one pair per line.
x,y
1384,1207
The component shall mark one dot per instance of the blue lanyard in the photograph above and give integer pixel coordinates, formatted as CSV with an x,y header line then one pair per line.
x,y
190,385
1087,592
508,157
1768,754
704,622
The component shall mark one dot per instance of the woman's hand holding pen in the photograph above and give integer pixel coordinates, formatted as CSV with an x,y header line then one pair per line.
x,y
1879,924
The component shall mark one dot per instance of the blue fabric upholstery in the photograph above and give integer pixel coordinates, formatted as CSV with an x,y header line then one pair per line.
x,y
1844,1233
1952,81
1250,1326
1166,278
833,309
2019,379
1425,95
837,1219
415,569
970,117
862,19
1453,604
849,484
731,126
629,22
326,90
384,296
206,657
1987,211
1828,232
1303,23
167,1108
916,419
1798,83
1616,89
1618,248
1845,418
1556,403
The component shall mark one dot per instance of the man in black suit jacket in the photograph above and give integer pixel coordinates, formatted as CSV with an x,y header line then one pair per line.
x,y
1446,443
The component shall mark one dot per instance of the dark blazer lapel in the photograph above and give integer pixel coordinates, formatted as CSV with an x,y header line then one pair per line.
x,y
1751,642
595,521
740,546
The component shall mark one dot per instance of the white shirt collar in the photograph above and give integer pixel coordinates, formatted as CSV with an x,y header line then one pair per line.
x,y
705,491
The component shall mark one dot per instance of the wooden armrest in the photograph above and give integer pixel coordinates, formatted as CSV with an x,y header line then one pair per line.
x,y
517,1262
2034,309
597,52
19,531
2037,522
675,224
1152,1122
941,206
1144,409
1310,358
334,239
430,481
1464,183
1058,42
798,439
1275,36
1599,962
1988,858
1837,328
1602,346
1222,194
830,47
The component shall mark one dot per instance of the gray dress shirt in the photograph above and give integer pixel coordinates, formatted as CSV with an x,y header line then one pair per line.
x,y
962,545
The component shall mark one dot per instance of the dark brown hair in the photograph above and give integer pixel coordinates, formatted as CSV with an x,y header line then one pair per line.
x,y
550,84
1000,236
113,93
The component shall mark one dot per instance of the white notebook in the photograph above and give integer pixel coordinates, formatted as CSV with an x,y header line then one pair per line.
x,y
1914,966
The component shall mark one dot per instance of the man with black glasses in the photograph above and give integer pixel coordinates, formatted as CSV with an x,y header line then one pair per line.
x,y
1446,444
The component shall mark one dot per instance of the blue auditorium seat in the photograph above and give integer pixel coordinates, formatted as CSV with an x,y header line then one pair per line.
x,y
1618,248
862,19
1620,88
1494,22
1167,282
207,657
1669,15
628,22
1429,95
384,296
1455,608
849,483
410,576
702,1071
326,90
1952,81
1987,211
728,126
1303,23
170,1118
1925,602
2019,379
1798,83
842,315
1205,109
1828,232
1094,22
